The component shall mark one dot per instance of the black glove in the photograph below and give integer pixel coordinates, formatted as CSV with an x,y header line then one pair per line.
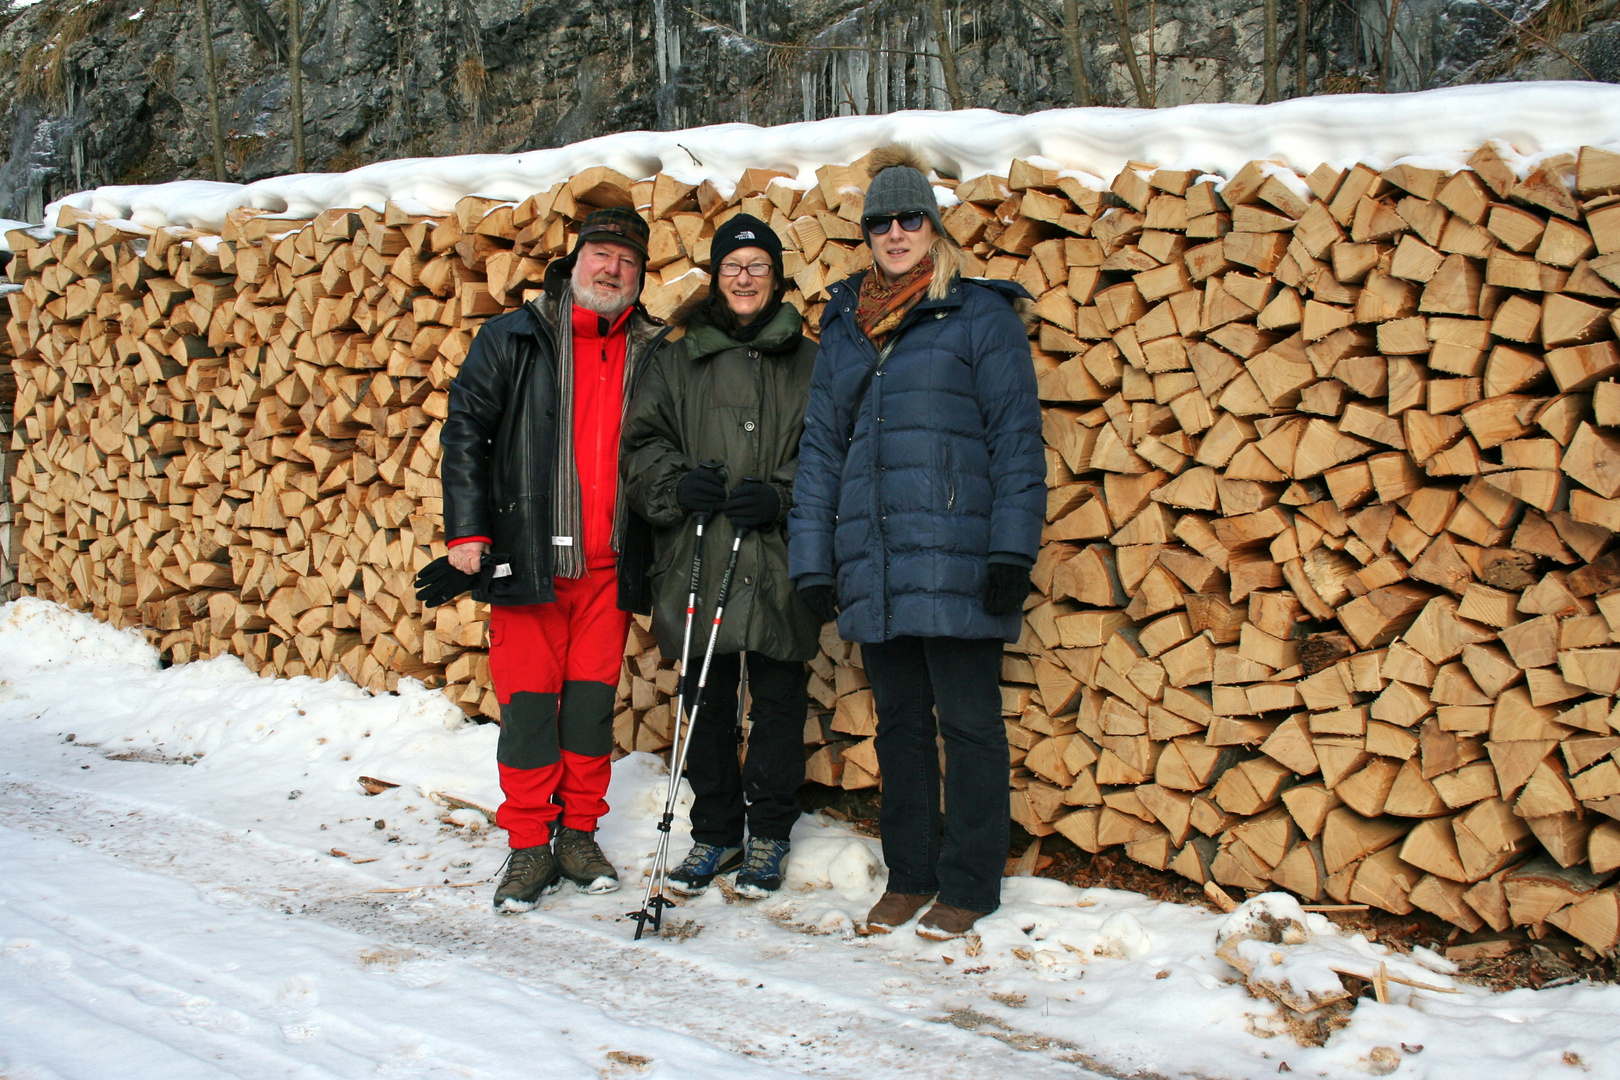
x,y
497,578
1006,587
752,504
438,582
822,600
703,490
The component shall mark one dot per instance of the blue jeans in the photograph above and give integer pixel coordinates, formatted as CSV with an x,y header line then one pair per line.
x,y
911,678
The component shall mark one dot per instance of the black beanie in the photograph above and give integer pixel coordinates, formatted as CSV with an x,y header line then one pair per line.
x,y
743,231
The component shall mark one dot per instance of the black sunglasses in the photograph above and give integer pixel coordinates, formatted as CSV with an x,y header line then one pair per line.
x,y
910,221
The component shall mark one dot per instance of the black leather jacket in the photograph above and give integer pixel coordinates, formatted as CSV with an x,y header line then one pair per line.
x,y
499,442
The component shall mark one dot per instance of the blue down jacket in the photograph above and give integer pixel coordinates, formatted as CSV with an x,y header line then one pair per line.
x,y
905,492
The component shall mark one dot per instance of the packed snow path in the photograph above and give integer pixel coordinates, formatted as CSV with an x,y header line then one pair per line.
x,y
169,962
193,884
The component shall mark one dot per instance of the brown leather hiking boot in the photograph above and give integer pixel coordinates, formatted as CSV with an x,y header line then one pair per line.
x,y
946,922
893,909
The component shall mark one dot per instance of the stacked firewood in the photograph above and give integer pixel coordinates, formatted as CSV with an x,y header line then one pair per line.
x,y
1325,600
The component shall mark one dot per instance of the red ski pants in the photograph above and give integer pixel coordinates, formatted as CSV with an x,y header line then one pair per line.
x,y
556,672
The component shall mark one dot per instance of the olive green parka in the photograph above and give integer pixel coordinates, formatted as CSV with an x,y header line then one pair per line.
x,y
708,397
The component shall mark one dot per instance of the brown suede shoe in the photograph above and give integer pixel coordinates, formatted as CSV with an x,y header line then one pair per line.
x,y
893,909
945,922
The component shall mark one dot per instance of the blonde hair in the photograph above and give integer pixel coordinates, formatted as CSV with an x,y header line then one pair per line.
x,y
950,262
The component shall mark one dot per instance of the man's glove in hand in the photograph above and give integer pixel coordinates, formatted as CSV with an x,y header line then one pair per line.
x,y
703,490
822,600
438,582
1006,587
752,504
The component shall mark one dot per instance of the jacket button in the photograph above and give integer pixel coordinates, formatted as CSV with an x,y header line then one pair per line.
x,y
748,581
748,426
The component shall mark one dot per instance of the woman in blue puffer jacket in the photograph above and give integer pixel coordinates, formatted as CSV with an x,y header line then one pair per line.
x,y
917,514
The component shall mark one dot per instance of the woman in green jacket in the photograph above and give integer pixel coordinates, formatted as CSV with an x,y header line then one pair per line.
x,y
714,429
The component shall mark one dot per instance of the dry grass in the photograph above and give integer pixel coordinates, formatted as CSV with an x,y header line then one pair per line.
x,y
472,80
42,69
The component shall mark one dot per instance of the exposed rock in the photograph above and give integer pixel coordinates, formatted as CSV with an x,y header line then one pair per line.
x,y
113,91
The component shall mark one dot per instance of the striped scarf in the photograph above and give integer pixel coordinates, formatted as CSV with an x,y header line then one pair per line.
x,y
567,510
567,504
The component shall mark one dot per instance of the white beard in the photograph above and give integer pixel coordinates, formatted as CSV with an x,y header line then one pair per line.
x,y
608,303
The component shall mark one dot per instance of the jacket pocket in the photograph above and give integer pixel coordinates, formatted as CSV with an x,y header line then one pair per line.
x,y
668,546
497,655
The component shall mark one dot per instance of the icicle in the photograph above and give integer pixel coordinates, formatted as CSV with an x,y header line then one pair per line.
x,y
742,16
675,61
882,61
860,66
660,33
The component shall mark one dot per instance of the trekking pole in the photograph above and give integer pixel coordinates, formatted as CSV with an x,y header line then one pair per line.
x,y
673,787
653,909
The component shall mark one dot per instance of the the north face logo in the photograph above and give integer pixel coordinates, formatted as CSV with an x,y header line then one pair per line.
x,y
745,236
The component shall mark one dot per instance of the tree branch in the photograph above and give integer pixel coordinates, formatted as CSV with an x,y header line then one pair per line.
x,y
1531,33
1122,27
261,24
1079,80
314,22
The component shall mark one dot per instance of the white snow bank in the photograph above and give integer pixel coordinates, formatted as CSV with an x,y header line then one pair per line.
x,y
6,225
256,780
1441,125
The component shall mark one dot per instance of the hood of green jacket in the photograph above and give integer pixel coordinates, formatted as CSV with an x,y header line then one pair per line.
x,y
704,338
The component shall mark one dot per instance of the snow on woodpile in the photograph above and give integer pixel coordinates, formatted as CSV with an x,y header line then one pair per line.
x,y
1542,117
1327,600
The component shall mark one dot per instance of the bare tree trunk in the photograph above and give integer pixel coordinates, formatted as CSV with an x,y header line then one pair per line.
x,y
1270,92
295,67
1389,44
210,68
947,58
1077,61
1153,51
405,67
1122,26
1302,18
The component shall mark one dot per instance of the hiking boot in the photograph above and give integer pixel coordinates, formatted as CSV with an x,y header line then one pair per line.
x,y
761,874
946,922
530,873
581,860
893,909
703,864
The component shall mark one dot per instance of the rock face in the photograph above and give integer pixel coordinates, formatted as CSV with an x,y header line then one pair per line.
x,y
114,91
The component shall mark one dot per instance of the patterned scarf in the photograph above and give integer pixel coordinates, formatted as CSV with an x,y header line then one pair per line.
x,y
883,305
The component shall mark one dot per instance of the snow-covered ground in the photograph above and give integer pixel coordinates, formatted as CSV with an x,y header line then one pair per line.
x,y
1432,128
194,884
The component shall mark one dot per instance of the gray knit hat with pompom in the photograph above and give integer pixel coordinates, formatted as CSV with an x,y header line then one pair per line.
x,y
899,186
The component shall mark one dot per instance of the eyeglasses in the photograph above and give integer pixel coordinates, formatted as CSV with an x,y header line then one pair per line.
x,y
753,270
910,221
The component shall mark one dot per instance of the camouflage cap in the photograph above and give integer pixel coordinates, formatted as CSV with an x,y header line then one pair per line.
x,y
616,225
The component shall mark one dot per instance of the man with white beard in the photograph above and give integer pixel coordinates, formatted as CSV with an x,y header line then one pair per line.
x,y
532,508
